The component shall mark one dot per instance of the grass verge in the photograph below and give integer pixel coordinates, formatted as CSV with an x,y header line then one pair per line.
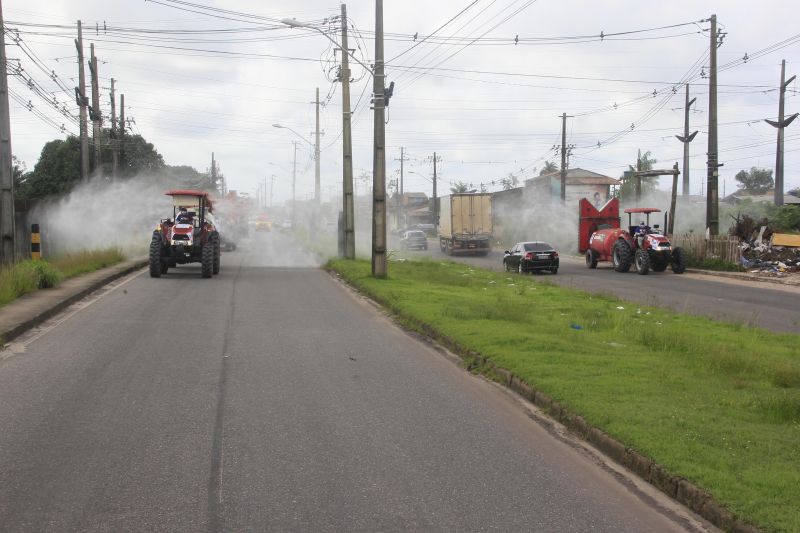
x,y
713,402
28,276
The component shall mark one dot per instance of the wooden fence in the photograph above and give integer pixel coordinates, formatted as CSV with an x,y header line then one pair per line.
x,y
723,247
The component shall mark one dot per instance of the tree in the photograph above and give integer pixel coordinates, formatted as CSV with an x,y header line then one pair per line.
x,y
643,162
548,168
57,170
459,187
509,182
757,180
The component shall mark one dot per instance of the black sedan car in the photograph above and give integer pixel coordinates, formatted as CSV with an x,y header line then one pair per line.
x,y
530,257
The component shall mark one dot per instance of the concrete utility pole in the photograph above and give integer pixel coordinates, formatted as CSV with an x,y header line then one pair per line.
x,y
294,184
781,124
94,112
80,96
379,153
400,186
674,197
213,170
686,138
347,148
7,230
712,179
563,158
316,158
435,198
114,146
271,186
638,178
121,140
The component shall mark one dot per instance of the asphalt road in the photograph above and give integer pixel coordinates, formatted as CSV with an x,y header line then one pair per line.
x,y
767,305
271,398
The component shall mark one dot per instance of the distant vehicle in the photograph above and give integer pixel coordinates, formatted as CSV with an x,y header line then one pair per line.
x,y
465,223
414,240
531,257
190,236
262,223
429,229
286,224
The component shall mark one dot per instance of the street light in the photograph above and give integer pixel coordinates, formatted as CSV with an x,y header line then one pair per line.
x,y
347,230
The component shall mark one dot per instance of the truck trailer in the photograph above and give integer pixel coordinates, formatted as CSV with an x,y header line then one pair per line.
x,y
465,223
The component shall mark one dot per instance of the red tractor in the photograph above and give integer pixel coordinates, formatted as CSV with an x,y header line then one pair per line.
x,y
642,246
190,236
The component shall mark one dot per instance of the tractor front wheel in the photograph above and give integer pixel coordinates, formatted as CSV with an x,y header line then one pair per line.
x,y
621,254
642,259
156,268
207,260
678,261
591,258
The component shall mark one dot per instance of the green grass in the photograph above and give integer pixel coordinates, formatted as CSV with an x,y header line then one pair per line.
x,y
716,403
28,276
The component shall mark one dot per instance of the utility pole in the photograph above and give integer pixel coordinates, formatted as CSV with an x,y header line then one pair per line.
x,y
347,148
271,185
379,153
712,196
780,125
94,111
114,146
686,139
7,230
564,149
400,186
80,96
638,179
121,141
294,183
435,198
213,171
316,158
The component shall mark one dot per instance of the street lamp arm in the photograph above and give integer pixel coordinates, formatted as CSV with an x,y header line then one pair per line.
x,y
293,131
294,23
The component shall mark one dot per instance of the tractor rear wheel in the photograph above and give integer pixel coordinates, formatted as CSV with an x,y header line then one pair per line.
x,y
207,260
155,258
591,258
217,253
621,255
678,261
642,259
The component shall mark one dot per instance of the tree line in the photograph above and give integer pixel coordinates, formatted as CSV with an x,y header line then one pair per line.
x,y
58,169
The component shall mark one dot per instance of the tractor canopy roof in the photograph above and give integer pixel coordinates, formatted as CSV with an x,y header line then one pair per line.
x,y
647,210
190,198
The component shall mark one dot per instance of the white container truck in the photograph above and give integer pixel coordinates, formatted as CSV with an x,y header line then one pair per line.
x,y
465,223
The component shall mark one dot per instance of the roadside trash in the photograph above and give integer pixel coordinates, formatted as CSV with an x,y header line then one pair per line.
x,y
764,252
620,307
576,326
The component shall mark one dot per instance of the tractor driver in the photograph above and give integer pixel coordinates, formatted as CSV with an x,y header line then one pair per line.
x,y
641,231
183,216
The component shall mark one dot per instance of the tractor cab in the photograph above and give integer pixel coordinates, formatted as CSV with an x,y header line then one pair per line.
x,y
644,225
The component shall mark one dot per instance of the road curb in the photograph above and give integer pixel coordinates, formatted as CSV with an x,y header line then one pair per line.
x,y
676,487
109,274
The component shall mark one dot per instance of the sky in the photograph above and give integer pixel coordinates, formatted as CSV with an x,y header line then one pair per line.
x,y
481,83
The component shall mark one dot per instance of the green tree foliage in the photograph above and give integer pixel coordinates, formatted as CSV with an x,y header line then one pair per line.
x,y
57,170
756,180
509,182
628,188
783,219
548,168
459,187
